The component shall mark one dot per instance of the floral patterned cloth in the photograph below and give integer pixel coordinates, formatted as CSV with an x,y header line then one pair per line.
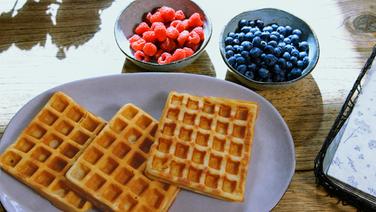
x,y
354,161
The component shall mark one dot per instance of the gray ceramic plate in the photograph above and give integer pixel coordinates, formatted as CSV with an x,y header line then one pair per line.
x,y
273,156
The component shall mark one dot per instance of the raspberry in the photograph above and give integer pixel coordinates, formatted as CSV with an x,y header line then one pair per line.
x,y
195,20
147,59
156,17
164,58
160,32
168,14
148,16
175,23
158,54
179,15
138,45
153,25
181,26
188,51
150,49
168,45
193,38
194,47
172,32
134,38
149,36
200,32
178,55
139,55
141,28
183,37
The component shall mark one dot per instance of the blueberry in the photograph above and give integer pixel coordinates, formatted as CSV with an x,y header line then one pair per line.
x,y
289,65
240,60
252,67
263,73
303,46
281,44
273,43
288,48
281,30
275,26
241,36
305,61
293,60
278,51
249,75
281,77
263,44
254,29
282,62
235,41
273,37
242,68
232,61
270,59
297,32
245,55
286,56
239,49
287,40
300,64
256,41
294,39
259,24
247,45
255,52
236,48
269,49
302,55
237,55
229,40
242,23
249,36
281,37
246,29
231,34
295,73
229,54
295,53
257,60
257,33
229,47
277,69
288,30
265,35
267,29
263,56
251,23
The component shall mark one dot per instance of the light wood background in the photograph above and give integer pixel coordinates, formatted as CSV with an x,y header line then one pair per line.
x,y
44,43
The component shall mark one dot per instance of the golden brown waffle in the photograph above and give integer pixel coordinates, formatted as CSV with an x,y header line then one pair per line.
x,y
204,144
110,171
48,147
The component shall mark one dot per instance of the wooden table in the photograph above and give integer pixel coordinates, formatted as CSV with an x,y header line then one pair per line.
x,y
46,43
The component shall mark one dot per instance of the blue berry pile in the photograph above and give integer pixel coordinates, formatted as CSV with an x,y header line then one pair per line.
x,y
267,53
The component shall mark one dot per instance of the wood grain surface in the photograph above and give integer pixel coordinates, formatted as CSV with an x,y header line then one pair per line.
x,y
46,43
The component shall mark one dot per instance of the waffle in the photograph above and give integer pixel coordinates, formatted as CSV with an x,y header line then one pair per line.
x,y
48,147
110,171
204,144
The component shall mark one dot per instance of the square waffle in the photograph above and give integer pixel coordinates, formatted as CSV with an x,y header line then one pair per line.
x,y
110,171
48,147
204,144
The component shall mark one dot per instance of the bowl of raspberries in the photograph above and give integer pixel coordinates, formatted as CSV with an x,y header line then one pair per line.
x,y
162,35
269,48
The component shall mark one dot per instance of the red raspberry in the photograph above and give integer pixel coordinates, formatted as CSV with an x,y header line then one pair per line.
x,y
139,55
194,47
193,38
158,54
148,16
188,51
153,25
138,45
164,58
200,32
168,14
134,38
175,23
172,32
160,33
179,15
147,59
156,17
183,25
149,36
178,55
168,45
141,28
183,37
195,20
150,49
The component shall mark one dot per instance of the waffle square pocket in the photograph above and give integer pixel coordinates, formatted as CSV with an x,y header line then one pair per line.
x,y
204,144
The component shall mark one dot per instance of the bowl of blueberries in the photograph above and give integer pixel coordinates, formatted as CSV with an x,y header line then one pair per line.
x,y
269,48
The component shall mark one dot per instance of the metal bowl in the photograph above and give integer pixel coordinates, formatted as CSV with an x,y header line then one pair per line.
x,y
269,16
133,14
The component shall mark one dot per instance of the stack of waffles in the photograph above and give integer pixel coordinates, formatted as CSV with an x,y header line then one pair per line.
x,y
134,163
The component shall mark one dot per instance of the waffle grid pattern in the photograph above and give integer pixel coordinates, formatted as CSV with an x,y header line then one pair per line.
x,y
204,144
48,147
110,171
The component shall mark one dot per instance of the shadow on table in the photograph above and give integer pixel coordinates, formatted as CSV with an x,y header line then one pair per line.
x,y
202,65
301,106
69,23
